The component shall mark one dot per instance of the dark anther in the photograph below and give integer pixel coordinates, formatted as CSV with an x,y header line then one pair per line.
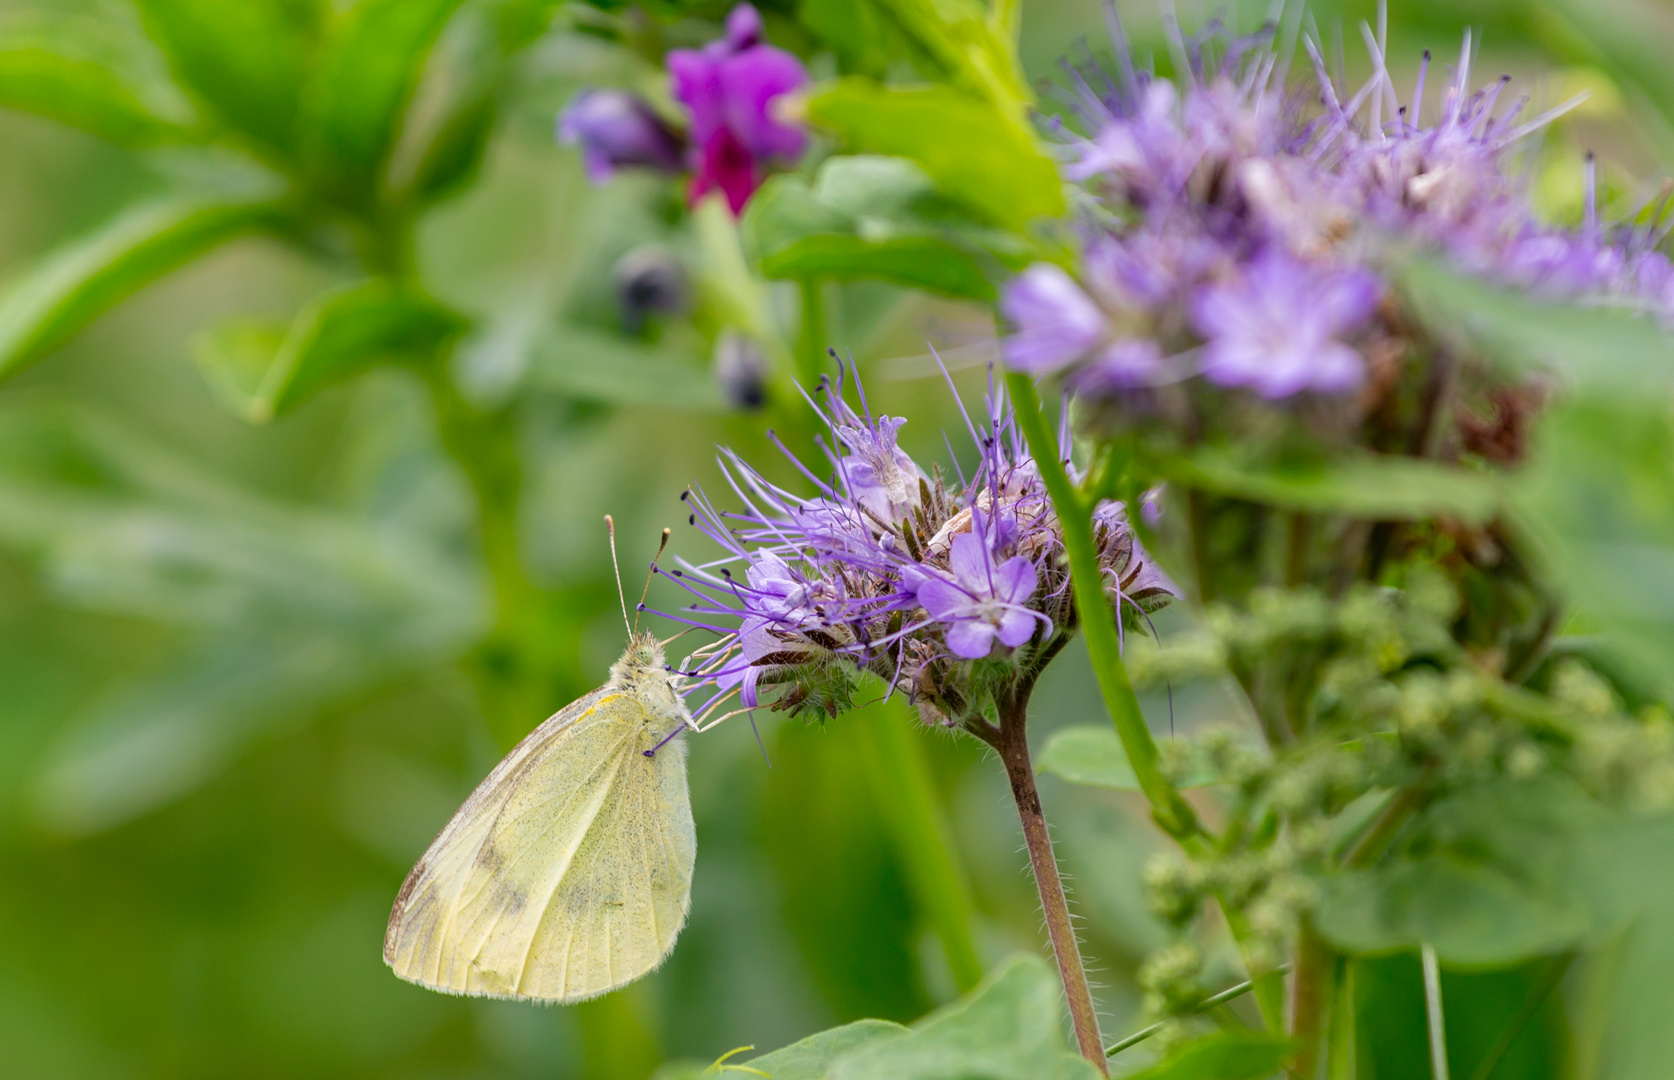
x,y
684,495
640,606
677,573
691,519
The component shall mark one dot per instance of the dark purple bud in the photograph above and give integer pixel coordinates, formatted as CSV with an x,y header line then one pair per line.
x,y
741,369
650,281
615,129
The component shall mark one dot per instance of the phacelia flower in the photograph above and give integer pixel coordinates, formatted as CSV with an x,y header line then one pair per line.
x,y
1274,329
1248,224
731,88
947,592
616,129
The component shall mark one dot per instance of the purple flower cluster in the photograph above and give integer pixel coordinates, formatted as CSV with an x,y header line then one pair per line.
x,y
938,589
730,89
1242,226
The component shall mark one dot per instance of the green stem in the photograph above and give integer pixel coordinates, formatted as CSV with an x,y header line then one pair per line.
x,y
811,341
1231,993
1310,999
1433,1012
921,834
1098,620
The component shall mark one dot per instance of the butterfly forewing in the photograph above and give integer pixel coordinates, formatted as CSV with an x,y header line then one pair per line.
x,y
567,872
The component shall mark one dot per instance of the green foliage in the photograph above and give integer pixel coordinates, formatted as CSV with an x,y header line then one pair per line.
x,y
47,70
1093,755
874,217
1005,1029
246,64
83,279
1229,1055
339,335
976,154
365,76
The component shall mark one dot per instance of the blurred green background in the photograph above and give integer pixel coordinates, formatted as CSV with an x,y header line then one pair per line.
x,y
236,697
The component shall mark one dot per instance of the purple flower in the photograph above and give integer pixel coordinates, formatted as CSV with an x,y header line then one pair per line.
x,y
894,572
730,87
1056,323
1274,328
615,129
980,603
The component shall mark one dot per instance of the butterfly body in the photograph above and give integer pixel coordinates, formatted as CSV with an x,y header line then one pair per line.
x,y
567,872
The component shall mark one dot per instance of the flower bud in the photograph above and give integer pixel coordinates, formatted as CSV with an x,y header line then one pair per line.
x,y
615,129
741,369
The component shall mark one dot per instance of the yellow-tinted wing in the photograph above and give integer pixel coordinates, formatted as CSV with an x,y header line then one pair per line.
x,y
566,874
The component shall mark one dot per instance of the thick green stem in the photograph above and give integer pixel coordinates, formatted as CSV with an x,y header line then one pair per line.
x,y
920,832
1098,618
811,341
1310,999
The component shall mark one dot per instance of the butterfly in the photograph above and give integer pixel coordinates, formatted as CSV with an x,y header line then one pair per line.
x,y
568,871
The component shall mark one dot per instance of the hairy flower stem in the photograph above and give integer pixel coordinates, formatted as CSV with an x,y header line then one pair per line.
x,y
1011,741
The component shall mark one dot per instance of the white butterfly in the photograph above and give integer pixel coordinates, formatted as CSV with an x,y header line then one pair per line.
x,y
568,872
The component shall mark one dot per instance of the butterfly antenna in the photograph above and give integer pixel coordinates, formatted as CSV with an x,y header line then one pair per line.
x,y
610,525
643,593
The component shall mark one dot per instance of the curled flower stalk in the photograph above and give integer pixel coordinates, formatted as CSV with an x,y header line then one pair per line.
x,y
953,593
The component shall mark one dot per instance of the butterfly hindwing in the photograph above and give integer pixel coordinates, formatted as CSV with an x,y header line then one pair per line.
x,y
567,872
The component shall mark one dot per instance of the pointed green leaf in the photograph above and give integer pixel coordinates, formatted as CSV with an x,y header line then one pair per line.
x,y
245,61
1092,754
83,279
975,153
339,335
365,79
80,92
1225,1055
813,1057
1008,1027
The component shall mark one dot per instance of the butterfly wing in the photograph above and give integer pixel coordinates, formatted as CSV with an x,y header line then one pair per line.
x,y
566,874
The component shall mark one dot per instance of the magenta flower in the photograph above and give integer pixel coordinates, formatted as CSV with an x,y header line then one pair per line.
x,y
615,129
979,602
1274,329
730,86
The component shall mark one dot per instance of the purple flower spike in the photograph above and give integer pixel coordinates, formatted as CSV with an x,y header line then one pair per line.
x,y
1274,329
983,603
615,129
1056,322
730,86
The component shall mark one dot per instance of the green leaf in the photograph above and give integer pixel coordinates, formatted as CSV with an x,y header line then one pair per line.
x,y
1008,1027
245,61
80,92
366,76
596,366
875,217
1598,495
83,279
1373,486
1225,1055
1092,754
339,335
975,153
975,53
812,1058
1595,347
1494,875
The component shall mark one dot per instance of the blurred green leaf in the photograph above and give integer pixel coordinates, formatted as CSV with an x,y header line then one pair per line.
x,y
1494,875
338,336
965,40
284,607
366,76
1591,346
1008,1027
875,217
1379,487
1224,1055
595,366
975,153
37,77
1092,754
1599,496
245,61
813,1057
81,280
